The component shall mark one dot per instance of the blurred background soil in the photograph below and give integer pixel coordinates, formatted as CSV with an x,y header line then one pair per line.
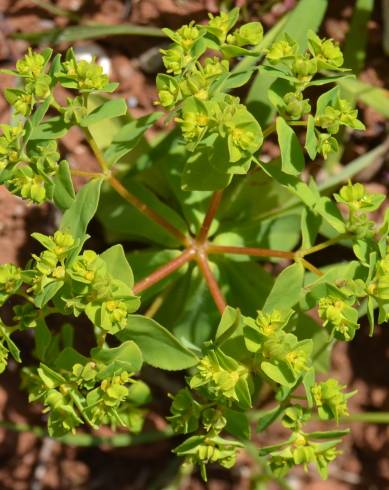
x,y
31,462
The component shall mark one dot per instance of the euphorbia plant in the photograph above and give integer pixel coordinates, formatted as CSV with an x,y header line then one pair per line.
x,y
202,207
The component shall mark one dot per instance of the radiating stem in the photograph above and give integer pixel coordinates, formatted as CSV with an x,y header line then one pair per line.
x,y
212,284
253,251
146,210
164,271
311,267
323,245
96,150
212,210
83,173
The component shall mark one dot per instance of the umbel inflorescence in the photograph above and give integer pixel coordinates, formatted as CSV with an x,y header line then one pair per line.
x,y
220,138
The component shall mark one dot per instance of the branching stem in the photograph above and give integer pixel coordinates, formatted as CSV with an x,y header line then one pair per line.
x,y
323,245
212,284
251,251
311,267
211,213
147,211
164,271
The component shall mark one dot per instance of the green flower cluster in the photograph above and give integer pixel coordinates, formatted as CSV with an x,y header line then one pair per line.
x,y
91,392
35,82
27,172
221,377
29,158
202,450
279,355
296,71
208,116
304,448
7,346
339,316
330,400
359,203
81,283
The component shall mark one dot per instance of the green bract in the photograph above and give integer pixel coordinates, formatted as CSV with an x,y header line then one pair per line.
x,y
277,336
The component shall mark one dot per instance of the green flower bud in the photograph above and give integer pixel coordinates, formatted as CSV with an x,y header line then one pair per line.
x,y
280,465
10,281
213,420
294,417
339,317
84,268
63,243
175,59
298,360
304,68
330,400
24,104
3,356
87,76
168,90
327,144
304,455
186,35
31,65
75,111
220,25
214,67
248,34
269,323
327,52
185,412
28,185
10,145
45,157
283,50
353,193
193,125
295,105
114,315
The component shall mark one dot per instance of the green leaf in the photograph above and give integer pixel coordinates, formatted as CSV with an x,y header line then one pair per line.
x,y
36,118
68,357
47,293
83,32
292,156
128,137
77,217
53,128
108,110
126,357
356,41
202,171
117,265
269,417
159,347
310,138
237,424
63,194
286,289
277,373
42,339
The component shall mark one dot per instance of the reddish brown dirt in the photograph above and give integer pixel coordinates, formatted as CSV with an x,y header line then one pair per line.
x,y
28,462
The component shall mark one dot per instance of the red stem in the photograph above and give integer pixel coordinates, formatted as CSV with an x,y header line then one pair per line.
x,y
164,271
212,210
257,252
211,282
144,209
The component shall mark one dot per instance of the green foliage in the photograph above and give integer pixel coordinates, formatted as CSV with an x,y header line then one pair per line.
x,y
266,340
